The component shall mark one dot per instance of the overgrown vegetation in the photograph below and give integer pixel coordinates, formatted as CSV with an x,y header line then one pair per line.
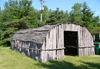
x,y
20,14
10,59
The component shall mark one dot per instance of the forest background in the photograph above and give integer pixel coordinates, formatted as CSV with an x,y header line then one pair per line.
x,y
20,15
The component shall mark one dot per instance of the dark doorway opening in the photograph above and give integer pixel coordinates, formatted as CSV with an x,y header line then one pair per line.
x,y
71,43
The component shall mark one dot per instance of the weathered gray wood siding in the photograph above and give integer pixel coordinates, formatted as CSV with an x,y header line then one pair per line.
x,y
27,48
55,40
52,46
85,40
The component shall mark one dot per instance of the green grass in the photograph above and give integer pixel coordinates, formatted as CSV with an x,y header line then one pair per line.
x,y
10,59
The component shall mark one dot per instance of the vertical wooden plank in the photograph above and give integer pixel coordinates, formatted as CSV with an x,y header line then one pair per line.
x,y
88,44
57,33
37,55
80,50
47,45
22,47
35,51
39,51
59,43
43,53
84,40
79,40
20,43
31,49
62,44
51,47
27,48
54,43
15,45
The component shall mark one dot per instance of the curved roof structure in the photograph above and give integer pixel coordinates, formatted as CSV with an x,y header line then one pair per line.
x,y
36,35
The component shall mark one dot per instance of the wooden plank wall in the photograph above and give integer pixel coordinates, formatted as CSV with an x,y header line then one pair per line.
x,y
27,48
59,43
85,40
54,43
52,47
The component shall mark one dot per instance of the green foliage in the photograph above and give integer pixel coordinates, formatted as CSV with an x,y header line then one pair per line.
x,y
98,24
1,36
83,15
95,30
13,26
19,14
58,17
87,19
75,14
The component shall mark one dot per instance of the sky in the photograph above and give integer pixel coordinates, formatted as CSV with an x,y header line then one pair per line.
x,y
64,5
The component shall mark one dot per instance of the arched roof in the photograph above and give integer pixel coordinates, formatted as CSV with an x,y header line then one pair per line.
x,y
36,35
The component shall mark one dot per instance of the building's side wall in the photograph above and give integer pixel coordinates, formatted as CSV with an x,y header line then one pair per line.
x,y
54,45
27,48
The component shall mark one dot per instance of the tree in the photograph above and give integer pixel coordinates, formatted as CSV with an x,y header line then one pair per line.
x,y
95,30
87,18
66,18
75,14
58,17
17,16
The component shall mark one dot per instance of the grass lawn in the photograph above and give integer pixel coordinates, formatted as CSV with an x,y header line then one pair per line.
x,y
10,59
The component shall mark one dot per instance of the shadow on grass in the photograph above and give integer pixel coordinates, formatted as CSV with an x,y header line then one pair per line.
x,y
4,45
57,65
91,65
68,65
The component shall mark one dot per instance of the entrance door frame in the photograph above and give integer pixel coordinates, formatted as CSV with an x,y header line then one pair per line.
x,y
77,40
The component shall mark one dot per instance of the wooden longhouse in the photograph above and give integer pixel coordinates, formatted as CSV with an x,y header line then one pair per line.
x,y
52,42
